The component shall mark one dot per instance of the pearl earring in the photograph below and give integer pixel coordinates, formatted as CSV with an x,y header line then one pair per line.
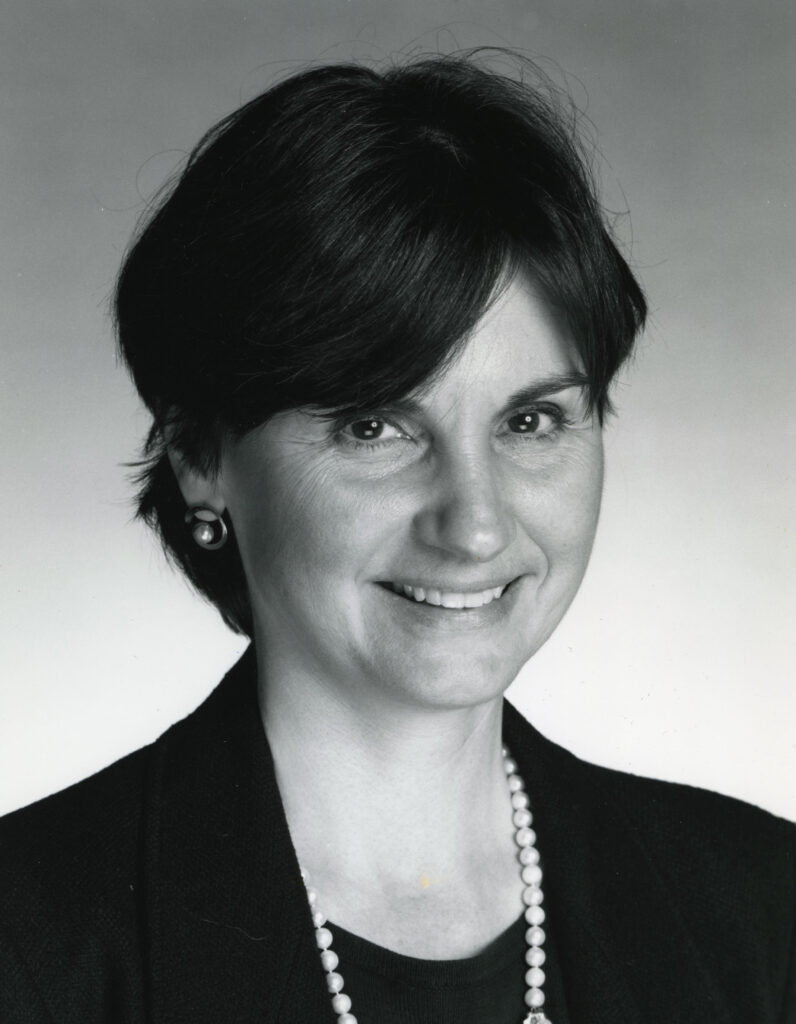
x,y
207,527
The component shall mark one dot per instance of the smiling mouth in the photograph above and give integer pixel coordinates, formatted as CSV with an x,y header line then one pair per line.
x,y
453,599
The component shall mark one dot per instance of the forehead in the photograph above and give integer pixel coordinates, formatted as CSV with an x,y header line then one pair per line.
x,y
518,342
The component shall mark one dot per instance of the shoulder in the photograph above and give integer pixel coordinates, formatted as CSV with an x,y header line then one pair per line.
x,y
715,876
698,843
674,817
729,870
97,820
93,834
700,830
75,847
71,899
86,795
721,859
78,874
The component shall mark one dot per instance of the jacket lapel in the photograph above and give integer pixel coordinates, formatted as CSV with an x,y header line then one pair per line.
x,y
231,939
626,955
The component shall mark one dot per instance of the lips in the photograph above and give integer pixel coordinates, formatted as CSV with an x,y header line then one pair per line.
x,y
453,599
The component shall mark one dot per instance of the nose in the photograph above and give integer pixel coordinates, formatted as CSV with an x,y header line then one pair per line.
x,y
467,514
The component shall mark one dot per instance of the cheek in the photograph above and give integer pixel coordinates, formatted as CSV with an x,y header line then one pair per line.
x,y
309,529
562,505
585,486
582,502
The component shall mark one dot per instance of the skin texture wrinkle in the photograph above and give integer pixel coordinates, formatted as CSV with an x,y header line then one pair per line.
x,y
372,699
456,502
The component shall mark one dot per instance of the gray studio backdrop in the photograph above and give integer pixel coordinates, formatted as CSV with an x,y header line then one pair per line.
x,y
677,659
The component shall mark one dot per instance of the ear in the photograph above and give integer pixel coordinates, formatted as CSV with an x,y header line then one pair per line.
x,y
198,489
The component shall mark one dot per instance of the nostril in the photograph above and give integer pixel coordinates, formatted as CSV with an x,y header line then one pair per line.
x,y
468,531
466,513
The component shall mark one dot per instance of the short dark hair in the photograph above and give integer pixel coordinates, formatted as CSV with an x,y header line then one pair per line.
x,y
332,243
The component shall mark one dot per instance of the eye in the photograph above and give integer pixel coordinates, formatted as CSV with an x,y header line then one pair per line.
x,y
533,422
368,429
371,429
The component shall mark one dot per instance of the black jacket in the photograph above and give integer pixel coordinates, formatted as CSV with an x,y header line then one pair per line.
x,y
165,888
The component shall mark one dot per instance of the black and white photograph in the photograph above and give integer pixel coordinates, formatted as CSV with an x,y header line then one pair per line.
x,y
398,562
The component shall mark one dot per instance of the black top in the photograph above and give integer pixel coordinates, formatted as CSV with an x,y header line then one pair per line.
x,y
389,988
165,889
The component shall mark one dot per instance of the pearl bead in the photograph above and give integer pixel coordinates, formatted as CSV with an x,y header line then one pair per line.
x,y
346,1018
519,799
312,896
341,1003
535,896
535,956
323,938
318,918
515,783
329,959
510,765
522,817
534,936
534,998
525,837
532,874
528,895
305,876
534,977
534,914
334,981
203,533
532,857
528,854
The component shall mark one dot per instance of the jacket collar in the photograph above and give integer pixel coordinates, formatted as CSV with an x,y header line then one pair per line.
x,y
231,934
229,930
626,954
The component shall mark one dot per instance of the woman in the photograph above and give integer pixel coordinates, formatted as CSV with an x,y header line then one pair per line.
x,y
376,321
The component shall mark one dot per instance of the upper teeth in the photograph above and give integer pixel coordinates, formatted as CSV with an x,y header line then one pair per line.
x,y
450,598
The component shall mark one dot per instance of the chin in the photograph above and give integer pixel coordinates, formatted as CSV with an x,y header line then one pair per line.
x,y
458,681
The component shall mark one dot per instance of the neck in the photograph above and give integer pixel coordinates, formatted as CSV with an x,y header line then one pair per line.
x,y
340,766
389,803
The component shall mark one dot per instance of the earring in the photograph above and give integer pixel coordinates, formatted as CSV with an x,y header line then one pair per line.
x,y
207,527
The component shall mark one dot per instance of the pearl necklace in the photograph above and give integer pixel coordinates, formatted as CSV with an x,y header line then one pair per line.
x,y
531,874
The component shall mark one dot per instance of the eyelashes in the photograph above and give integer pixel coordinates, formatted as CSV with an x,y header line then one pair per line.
x,y
380,430
373,429
538,422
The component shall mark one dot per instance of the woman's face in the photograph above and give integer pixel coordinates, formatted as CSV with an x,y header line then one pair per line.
x,y
424,552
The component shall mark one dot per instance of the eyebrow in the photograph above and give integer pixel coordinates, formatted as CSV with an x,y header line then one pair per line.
x,y
547,386
533,392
